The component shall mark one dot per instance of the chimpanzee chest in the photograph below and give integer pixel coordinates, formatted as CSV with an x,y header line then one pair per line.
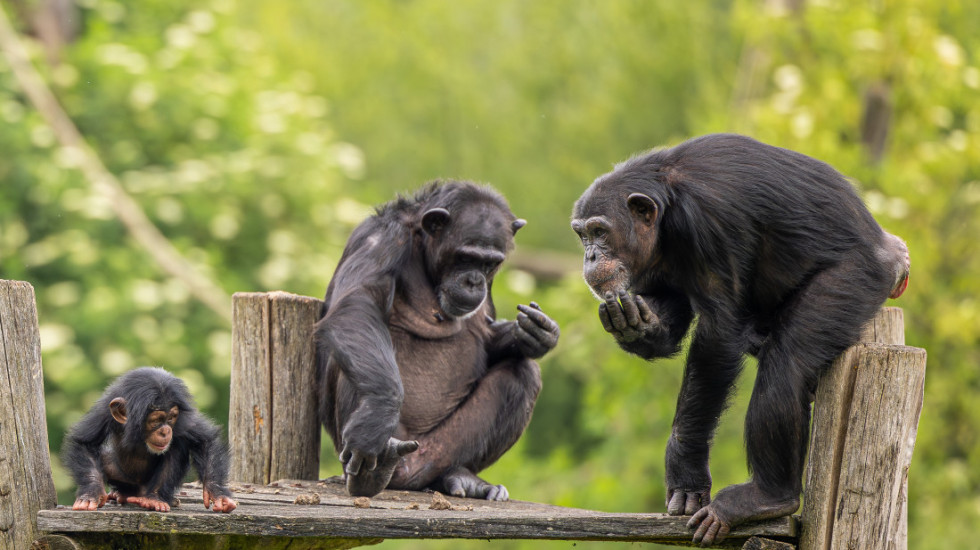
x,y
438,374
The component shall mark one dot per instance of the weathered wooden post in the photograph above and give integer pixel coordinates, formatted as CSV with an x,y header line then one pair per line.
x,y
272,425
866,414
26,485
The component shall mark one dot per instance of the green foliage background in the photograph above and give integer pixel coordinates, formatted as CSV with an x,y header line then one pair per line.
x,y
257,134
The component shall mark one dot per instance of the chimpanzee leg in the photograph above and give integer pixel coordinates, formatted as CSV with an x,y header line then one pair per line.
x,y
488,423
816,327
713,364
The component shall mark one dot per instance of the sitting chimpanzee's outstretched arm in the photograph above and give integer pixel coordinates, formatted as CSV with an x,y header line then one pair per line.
x,y
649,325
353,334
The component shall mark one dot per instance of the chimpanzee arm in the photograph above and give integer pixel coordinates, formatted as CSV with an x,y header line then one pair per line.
x,y
354,335
532,335
81,455
209,455
650,325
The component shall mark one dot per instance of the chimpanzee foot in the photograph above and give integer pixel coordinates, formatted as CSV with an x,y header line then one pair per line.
x,y
149,503
735,505
680,502
368,483
460,482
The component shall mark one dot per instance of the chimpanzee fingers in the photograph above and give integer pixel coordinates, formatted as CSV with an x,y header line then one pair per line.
x,y
539,317
604,318
529,344
630,310
615,311
454,486
544,331
498,493
676,503
644,308
353,465
405,447
207,499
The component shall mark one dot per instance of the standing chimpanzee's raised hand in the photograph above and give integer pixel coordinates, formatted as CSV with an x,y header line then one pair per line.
x,y
778,257
140,437
420,385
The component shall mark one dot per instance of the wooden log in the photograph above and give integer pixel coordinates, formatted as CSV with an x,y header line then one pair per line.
x,y
269,515
273,429
865,418
26,485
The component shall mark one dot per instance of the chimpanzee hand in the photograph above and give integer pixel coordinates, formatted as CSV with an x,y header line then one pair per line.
x,y
628,319
536,333
365,437
368,482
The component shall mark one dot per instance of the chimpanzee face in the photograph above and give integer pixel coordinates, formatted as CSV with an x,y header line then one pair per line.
x,y
158,424
464,251
618,235
159,429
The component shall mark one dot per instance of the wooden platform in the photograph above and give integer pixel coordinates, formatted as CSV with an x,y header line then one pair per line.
x,y
268,516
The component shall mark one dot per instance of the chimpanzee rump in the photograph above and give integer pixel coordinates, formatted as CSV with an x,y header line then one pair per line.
x,y
420,385
140,437
778,257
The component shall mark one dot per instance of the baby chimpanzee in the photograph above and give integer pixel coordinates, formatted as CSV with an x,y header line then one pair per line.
x,y
140,437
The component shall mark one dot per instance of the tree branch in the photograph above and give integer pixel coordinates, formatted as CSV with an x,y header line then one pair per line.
x,y
104,182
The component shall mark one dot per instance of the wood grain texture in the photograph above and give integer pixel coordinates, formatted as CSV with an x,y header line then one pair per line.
x,y
273,428
296,434
250,405
26,485
842,410
883,422
269,511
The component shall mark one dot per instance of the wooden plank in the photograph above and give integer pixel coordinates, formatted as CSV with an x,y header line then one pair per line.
x,y
831,413
295,451
883,422
26,485
250,406
271,512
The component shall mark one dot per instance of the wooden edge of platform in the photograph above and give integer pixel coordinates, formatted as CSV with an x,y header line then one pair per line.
x,y
271,511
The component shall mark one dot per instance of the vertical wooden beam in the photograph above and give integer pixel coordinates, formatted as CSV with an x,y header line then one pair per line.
x,y
26,485
273,428
865,418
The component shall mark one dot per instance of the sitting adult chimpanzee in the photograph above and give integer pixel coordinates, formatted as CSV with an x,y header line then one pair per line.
x,y
141,436
410,354
777,256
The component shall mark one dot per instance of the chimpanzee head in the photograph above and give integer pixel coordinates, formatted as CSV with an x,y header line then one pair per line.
x,y
617,220
150,404
468,232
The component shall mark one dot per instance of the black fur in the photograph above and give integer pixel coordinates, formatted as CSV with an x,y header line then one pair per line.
x,y
409,347
99,450
777,256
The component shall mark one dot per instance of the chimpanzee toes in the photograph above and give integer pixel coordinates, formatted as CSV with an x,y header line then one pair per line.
x,y
710,527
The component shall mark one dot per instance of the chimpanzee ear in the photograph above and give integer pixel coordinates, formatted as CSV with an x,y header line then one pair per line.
x,y
518,223
435,220
642,208
118,408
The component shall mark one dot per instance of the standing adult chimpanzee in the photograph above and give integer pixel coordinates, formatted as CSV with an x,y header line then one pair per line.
x,y
410,354
141,437
778,257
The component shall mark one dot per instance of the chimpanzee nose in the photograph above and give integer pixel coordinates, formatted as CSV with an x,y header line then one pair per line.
x,y
590,255
473,279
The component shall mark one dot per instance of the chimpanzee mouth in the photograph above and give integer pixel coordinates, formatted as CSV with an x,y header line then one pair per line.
x,y
158,449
